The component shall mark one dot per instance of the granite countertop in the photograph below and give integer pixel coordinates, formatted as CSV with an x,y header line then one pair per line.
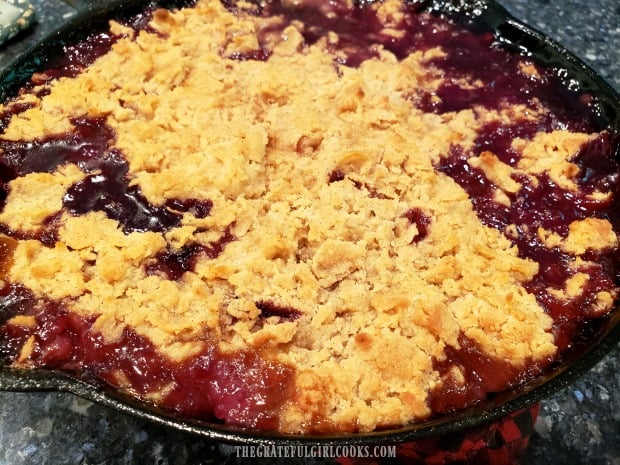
x,y
578,425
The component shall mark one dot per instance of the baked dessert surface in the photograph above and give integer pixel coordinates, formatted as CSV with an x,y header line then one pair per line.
x,y
310,228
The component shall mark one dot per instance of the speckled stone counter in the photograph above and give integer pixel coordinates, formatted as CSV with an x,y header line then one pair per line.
x,y
579,425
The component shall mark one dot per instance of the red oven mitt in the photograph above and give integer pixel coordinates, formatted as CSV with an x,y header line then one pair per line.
x,y
499,443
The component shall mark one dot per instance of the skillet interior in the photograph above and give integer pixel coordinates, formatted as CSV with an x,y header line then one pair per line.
x,y
511,33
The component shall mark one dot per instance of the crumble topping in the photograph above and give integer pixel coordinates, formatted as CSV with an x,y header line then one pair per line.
x,y
329,241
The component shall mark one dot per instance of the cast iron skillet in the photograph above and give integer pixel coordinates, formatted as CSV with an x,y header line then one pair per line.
x,y
595,341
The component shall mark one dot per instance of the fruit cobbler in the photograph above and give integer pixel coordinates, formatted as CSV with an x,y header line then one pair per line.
x,y
302,216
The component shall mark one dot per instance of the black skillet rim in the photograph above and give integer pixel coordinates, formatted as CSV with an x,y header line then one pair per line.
x,y
512,34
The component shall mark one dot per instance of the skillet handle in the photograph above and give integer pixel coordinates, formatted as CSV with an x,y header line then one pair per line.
x,y
14,379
